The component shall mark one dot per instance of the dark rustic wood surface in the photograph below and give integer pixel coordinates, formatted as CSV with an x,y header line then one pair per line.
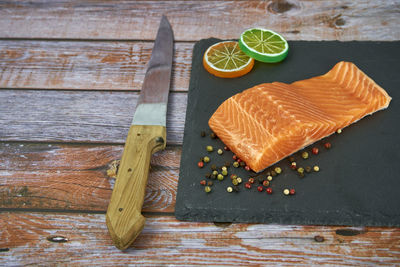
x,y
70,75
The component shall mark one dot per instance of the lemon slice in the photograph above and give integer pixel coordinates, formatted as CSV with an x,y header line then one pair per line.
x,y
226,60
263,45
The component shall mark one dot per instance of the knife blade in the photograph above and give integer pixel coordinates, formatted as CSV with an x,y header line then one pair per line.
x,y
146,135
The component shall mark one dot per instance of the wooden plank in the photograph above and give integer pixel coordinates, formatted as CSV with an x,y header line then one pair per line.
x,y
78,177
193,20
84,116
85,65
167,241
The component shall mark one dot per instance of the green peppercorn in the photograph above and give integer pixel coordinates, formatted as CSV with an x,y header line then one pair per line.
x,y
209,148
269,178
224,168
286,192
308,169
304,155
233,176
229,189
224,173
235,182
278,170
316,168
220,151
300,170
207,189
220,177
240,180
215,172
236,164
206,159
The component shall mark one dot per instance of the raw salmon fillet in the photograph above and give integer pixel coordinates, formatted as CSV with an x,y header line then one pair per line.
x,y
271,121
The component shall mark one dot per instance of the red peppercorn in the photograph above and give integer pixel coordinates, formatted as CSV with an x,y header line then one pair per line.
x,y
266,183
200,164
293,165
234,157
203,182
239,160
327,145
247,168
247,185
251,180
315,150
269,190
292,191
226,148
260,188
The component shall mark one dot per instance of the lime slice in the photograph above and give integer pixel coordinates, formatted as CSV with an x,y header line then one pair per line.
x,y
226,60
264,45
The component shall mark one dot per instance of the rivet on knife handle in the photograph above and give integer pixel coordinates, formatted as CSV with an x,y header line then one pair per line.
x,y
124,218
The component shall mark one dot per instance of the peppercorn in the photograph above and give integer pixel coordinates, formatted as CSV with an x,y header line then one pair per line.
x,y
247,168
219,151
227,163
213,135
300,170
268,174
273,173
213,167
200,164
235,182
260,179
239,180
293,165
202,133
213,176
304,155
278,170
206,159
236,164
339,131
235,188
235,157
327,145
301,174
226,148
233,176
316,168
224,173
266,183
207,189
260,188
229,189
209,183
208,175
269,190
203,182
315,150
223,168
251,180
242,163
248,185
215,172
286,192
220,177
308,169
269,178
209,148
292,191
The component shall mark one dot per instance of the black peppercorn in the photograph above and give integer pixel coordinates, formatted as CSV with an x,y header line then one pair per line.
x,y
202,133
213,135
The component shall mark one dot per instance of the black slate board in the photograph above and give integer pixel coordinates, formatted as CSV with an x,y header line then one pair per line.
x,y
359,180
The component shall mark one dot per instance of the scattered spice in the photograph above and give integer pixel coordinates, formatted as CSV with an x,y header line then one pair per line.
x,y
215,172
278,170
235,182
327,145
269,190
286,192
269,178
242,163
224,172
239,180
213,176
234,157
304,155
229,189
251,180
233,176
301,174
260,188
260,179
213,167
316,168
273,173
209,183
315,150
293,165
223,168
308,169
226,148
300,170
213,135
248,185
291,159
206,159
208,175
200,164
266,183
207,189
292,191
209,148
220,151
339,131
247,168
236,164
220,177
202,133
203,182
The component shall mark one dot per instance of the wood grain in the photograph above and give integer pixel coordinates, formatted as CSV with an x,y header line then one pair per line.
x,y
75,177
167,241
194,20
85,65
84,116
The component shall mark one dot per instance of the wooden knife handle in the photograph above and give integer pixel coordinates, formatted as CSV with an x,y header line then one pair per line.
x,y
124,219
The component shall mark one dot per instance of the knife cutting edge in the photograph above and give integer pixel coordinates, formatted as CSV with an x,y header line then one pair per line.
x,y
146,135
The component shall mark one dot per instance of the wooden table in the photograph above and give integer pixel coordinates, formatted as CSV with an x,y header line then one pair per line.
x,y
70,75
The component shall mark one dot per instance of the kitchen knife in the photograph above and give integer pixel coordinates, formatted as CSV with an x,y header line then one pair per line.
x,y
146,135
